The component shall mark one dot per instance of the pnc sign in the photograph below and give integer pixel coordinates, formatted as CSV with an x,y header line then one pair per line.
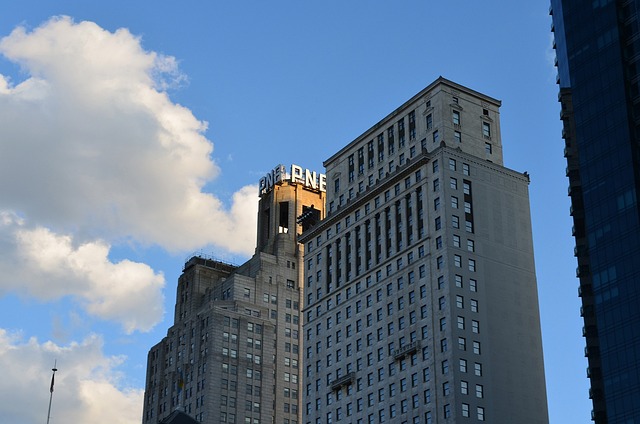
x,y
296,175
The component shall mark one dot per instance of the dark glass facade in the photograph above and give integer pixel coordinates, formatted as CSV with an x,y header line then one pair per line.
x,y
598,49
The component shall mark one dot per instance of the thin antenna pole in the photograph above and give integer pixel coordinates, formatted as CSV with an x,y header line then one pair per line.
x,y
54,369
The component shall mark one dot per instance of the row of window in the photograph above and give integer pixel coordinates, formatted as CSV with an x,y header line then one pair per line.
x,y
273,299
233,338
367,301
404,404
461,323
397,190
381,416
231,419
411,278
351,256
233,354
379,143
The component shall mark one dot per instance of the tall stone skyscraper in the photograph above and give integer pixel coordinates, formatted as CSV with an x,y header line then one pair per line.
x,y
421,303
233,354
598,52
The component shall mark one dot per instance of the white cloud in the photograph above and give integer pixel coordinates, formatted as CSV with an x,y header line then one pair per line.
x,y
87,385
94,153
49,266
91,144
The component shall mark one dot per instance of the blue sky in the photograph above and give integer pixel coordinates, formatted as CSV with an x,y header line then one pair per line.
x,y
133,134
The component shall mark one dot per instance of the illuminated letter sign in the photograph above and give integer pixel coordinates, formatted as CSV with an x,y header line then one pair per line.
x,y
298,175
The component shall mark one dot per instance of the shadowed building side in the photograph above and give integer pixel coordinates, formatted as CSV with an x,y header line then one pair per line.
x,y
233,354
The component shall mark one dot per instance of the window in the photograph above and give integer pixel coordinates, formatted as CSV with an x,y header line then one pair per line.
x,y
465,410
456,117
453,183
438,223
468,226
447,411
439,242
474,305
455,221
457,261
464,387
436,185
436,203
454,202
458,281
480,413
476,348
401,135
488,148
462,343
436,136
412,124
461,323
471,247
466,187
467,207
475,326
459,301
456,240
463,365
429,121
478,369
442,302
486,130
439,262
426,376
457,136
465,169
472,265
473,285
446,388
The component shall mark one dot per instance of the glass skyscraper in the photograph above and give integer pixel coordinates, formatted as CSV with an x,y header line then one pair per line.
x,y
597,46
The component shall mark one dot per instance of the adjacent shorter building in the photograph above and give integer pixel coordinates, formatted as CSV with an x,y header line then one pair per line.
x,y
421,303
233,354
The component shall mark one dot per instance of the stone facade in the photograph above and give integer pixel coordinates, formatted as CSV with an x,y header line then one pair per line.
x,y
420,288
234,352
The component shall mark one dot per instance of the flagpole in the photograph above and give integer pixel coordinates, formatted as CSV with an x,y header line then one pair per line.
x,y
54,369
